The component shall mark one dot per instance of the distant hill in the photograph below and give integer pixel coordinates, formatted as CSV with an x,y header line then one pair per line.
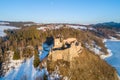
x,y
16,23
107,29
107,24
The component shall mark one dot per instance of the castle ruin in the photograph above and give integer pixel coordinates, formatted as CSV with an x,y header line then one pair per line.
x,y
65,50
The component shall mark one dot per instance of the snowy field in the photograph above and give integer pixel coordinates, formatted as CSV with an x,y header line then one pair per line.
x,y
25,71
2,28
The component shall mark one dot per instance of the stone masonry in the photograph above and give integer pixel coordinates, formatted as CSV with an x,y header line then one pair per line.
x,y
66,54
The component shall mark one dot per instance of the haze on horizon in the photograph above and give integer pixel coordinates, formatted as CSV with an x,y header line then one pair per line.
x,y
60,11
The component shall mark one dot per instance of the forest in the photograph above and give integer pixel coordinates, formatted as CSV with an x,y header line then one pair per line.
x,y
25,41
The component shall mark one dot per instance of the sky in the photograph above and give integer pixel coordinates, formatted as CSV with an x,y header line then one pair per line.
x,y
60,11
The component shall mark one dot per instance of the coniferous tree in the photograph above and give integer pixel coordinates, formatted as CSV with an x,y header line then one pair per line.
x,y
36,59
16,55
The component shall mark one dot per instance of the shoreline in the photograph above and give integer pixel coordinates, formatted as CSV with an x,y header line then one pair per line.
x,y
104,56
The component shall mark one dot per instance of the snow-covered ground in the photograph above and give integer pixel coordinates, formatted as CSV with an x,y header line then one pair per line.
x,y
113,39
50,27
106,56
103,56
2,28
41,28
3,23
79,27
95,48
118,34
71,26
83,28
25,71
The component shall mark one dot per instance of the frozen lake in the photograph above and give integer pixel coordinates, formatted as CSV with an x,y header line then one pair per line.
x,y
114,60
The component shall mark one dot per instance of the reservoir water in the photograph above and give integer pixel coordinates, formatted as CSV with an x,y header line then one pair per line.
x,y
114,60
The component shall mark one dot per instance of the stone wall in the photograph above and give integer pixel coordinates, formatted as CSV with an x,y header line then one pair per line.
x,y
67,54
57,43
60,54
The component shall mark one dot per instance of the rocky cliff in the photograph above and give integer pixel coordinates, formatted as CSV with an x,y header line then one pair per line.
x,y
86,66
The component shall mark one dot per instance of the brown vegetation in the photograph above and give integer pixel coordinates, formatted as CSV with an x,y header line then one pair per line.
x,y
87,66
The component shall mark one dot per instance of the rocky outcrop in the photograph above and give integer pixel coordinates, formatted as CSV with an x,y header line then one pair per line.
x,y
87,66
78,63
